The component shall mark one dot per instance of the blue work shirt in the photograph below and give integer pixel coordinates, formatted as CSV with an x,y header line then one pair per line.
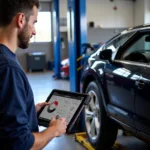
x,y
18,117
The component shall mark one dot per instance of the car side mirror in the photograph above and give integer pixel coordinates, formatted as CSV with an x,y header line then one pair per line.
x,y
106,54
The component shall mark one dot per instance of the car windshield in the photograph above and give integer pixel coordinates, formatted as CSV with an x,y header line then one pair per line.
x,y
118,41
97,52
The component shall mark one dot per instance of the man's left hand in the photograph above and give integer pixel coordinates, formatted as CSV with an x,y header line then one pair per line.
x,y
41,105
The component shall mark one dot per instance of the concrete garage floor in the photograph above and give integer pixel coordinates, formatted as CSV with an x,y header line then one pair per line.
x,y
42,84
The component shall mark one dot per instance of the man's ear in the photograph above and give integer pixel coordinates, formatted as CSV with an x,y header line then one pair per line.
x,y
21,19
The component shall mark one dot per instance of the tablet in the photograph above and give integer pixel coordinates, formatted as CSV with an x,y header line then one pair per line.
x,y
64,104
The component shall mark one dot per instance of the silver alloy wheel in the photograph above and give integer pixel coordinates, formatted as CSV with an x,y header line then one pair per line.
x,y
92,116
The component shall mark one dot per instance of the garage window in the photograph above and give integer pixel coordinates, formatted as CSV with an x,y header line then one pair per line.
x,y
43,28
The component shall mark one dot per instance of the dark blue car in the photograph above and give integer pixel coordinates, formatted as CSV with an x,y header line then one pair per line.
x,y
118,79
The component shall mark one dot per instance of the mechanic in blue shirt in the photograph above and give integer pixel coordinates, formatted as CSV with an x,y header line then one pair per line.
x,y
18,119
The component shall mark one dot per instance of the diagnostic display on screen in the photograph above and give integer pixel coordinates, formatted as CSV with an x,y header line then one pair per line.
x,y
61,106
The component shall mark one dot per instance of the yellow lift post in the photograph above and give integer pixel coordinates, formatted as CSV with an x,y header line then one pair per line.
x,y
82,139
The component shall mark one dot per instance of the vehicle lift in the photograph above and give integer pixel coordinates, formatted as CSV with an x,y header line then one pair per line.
x,y
82,139
77,36
56,38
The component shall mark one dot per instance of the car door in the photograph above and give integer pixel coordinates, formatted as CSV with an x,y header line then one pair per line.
x,y
142,103
120,78
139,54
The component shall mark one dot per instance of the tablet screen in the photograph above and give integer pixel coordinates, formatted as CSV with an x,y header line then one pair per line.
x,y
61,105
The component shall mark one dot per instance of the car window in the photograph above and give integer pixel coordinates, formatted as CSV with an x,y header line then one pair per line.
x,y
139,51
119,41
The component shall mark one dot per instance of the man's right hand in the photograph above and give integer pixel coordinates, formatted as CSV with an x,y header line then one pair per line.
x,y
59,126
56,128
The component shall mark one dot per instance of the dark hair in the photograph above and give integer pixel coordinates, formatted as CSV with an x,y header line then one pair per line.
x,y
9,8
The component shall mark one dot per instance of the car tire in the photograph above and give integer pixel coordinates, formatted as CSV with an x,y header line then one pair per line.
x,y
101,130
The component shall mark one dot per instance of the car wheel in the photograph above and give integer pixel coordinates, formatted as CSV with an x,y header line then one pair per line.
x,y
101,130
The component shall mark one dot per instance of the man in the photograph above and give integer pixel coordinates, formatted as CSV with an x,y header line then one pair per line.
x,y
18,120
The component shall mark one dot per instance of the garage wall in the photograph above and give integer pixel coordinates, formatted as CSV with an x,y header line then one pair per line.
x,y
147,12
139,12
103,14
100,35
63,8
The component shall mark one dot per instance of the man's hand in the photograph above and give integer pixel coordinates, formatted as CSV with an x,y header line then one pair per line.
x,y
41,105
59,126
56,128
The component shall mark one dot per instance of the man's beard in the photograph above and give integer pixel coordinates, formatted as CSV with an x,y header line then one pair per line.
x,y
24,38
